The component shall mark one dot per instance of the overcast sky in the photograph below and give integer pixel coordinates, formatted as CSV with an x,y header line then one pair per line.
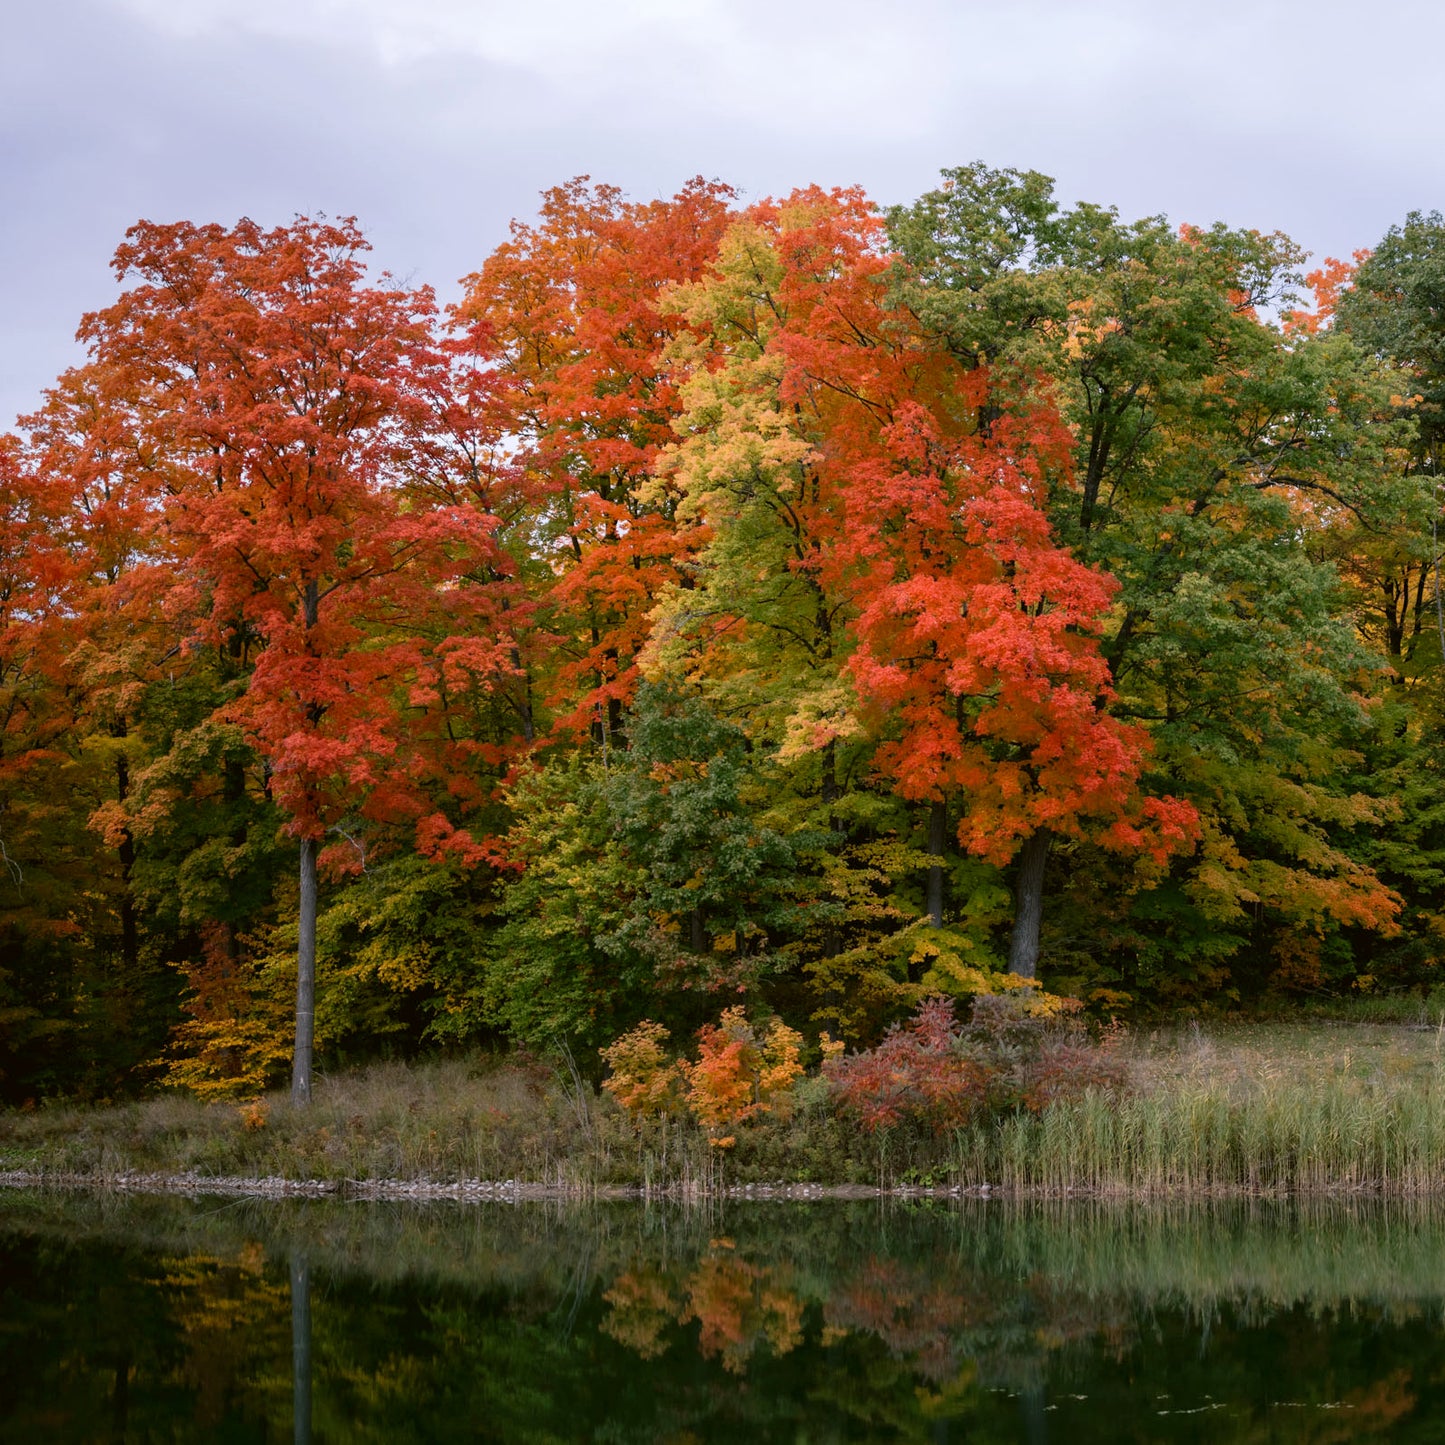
x,y
436,121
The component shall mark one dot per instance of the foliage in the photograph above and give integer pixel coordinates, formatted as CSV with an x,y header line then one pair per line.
x,y
785,606
639,867
643,1080
740,1073
1018,1049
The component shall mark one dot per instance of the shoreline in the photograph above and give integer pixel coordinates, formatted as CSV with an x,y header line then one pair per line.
x,y
514,1191
478,1191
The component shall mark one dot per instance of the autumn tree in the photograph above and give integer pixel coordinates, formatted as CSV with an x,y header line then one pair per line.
x,y
1388,308
275,390
966,636
1209,446
43,854
577,316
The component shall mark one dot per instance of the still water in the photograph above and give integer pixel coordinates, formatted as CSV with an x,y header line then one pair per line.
x,y
152,1320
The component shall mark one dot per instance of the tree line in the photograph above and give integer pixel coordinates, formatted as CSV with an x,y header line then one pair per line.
x,y
801,606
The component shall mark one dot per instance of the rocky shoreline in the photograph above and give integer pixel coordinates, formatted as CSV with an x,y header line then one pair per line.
x,y
505,1191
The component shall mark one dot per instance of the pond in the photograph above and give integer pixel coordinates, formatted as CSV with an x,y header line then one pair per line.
x,y
162,1319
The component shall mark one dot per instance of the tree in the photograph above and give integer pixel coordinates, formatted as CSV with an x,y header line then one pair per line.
x,y
1388,308
578,319
1210,445
276,393
640,872
43,854
971,635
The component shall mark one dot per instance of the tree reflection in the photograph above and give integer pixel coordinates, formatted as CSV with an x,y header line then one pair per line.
x,y
300,1348
541,1326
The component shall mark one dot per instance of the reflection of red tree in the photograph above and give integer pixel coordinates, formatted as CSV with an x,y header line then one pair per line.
x,y
642,1306
1370,1410
737,1305
1065,1317
935,1319
914,1314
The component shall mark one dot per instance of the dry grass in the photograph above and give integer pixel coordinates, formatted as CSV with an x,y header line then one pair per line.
x,y
1243,1059
474,1118
1303,1108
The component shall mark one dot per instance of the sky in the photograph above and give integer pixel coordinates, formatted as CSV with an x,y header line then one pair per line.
x,y
434,122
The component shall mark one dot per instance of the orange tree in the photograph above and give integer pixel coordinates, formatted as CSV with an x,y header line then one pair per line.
x,y
575,313
278,396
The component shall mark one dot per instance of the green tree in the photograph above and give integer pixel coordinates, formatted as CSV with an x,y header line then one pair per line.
x,y
1211,446
647,882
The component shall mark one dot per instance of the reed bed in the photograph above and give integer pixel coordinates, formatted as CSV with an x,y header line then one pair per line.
x,y
1293,1110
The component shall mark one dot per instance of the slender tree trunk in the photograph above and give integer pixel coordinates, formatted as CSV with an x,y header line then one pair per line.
x,y
300,1348
832,934
305,978
129,926
1023,953
306,923
937,841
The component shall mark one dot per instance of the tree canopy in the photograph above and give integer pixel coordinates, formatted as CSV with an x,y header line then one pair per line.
x,y
794,606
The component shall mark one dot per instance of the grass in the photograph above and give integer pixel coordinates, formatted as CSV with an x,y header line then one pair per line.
x,y
1263,1108
1257,1108
465,1118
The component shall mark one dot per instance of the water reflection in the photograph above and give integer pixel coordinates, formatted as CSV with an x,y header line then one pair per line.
x,y
300,1347
162,1319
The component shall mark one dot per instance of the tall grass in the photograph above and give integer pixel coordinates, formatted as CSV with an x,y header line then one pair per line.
x,y
1303,1136
473,1118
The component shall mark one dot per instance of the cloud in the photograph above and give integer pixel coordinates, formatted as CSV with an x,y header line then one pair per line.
x,y
781,66
436,121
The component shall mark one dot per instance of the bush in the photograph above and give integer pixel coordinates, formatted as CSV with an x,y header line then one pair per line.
x,y
740,1072
939,1074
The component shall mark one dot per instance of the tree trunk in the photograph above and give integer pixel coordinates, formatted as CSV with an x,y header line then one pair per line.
x,y
306,922
129,926
300,1348
832,934
937,841
305,977
1023,953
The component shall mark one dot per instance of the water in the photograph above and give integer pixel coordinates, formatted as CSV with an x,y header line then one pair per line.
x,y
172,1320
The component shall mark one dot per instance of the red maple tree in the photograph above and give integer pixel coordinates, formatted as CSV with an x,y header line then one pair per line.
x,y
279,398
975,634
579,316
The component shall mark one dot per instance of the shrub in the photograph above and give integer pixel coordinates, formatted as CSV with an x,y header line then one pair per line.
x,y
738,1074
644,1080
1015,1052
920,1073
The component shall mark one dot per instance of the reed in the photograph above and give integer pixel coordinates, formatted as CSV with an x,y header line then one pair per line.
x,y
1294,1136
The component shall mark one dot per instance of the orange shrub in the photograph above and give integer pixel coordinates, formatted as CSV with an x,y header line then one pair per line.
x,y
738,1074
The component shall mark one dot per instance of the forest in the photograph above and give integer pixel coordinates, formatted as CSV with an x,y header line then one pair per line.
x,y
784,611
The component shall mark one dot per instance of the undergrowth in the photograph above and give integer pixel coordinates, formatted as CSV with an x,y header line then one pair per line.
x,y
1297,1108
